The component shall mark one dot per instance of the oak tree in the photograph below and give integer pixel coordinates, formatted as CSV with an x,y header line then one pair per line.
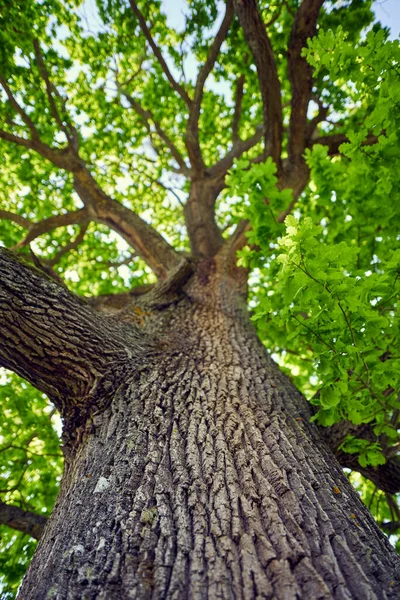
x,y
182,192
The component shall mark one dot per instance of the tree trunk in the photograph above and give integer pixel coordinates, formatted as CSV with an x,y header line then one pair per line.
x,y
204,479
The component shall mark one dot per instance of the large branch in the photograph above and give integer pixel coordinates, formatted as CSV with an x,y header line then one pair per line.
x,y
300,76
192,128
54,339
260,46
147,242
157,53
22,520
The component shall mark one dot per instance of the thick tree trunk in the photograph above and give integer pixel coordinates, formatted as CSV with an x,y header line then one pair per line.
x,y
204,479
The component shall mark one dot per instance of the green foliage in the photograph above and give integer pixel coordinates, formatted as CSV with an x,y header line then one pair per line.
x,y
325,284
326,293
30,470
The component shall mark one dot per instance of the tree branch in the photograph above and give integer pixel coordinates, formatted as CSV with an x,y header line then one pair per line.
x,y
68,247
157,53
18,109
36,229
300,76
238,148
55,340
335,140
260,46
22,520
18,219
147,116
147,242
69,130
192,128
61,158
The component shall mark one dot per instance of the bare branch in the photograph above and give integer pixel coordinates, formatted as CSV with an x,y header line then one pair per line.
x,y
71,218
147,116
300,76
157,53
192,129
22,520
260,46
19,219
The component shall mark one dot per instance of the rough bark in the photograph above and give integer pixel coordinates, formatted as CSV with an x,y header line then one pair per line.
x,y
52,338
205,236
204,479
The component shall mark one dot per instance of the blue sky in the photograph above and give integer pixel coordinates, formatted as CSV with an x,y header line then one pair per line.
x,y
388,13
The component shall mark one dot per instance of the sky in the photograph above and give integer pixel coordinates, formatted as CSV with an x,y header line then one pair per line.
x,y
388,13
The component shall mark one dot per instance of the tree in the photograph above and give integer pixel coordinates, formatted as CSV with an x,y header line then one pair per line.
x,y
193,467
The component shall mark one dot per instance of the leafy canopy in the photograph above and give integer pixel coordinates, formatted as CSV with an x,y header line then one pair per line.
x,y
324,283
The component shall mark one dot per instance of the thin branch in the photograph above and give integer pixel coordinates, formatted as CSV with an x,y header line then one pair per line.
x,y
73,245
22,520
59,158
238,148
18,109
80,216
260,46
19,219
300,76
157,53
15,139
147,116
51,90
192,129
110,264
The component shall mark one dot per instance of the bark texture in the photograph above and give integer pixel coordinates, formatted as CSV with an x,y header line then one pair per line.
x,y
203,479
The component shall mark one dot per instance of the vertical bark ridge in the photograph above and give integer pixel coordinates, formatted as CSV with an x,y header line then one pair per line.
x,y
204,479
